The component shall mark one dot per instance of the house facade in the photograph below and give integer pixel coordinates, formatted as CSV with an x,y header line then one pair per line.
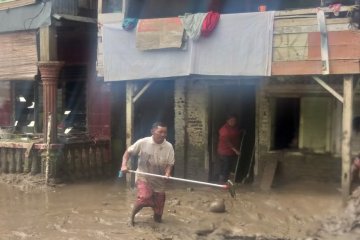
x,y
49,123
300,119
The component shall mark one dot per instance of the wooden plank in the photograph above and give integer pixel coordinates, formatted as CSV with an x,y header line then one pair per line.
x,y
307,29
342,45
100,6
15,4
268,174
100,55
300,89
336,52
278,23
342,52
142,91
309,11
291,40
110,17
74,18
290,54
329,88
314,67
324,42
346,136
335,38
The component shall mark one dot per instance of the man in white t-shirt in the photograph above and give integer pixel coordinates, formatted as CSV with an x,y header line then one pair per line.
x,y
155,155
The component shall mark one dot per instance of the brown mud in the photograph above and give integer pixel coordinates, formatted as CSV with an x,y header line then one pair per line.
x,y
345,226
100,210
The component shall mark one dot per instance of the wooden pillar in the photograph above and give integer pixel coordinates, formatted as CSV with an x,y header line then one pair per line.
x,y
346,136
18,160
27,162
129,113
11,159
35,164
49,75
86,157
48,43
4,162
130,178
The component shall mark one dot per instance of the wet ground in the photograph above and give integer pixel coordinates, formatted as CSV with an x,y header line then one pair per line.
x,y
100,210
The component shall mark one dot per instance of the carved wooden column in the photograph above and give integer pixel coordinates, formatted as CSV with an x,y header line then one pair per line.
x,y
49,72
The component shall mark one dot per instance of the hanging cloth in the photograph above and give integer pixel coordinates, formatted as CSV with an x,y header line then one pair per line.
x,y
129,23
335,8
192,24
209,24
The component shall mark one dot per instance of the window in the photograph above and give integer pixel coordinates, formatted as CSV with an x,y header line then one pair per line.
x,y
74,107
24,106
315,124
302,123
110,11
112,6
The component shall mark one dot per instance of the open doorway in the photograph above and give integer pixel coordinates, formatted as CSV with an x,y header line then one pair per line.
x,y
156,104
240,100
286,123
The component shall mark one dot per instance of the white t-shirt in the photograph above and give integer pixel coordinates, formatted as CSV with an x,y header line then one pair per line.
x,y
153,158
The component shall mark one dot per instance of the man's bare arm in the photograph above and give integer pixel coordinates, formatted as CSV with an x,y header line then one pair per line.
x,y
168,170
125,159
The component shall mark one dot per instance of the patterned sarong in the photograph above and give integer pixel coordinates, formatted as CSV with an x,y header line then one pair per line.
x,y
148,198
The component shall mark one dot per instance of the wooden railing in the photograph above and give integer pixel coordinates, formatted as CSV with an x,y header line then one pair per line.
x,y
85,159
81,159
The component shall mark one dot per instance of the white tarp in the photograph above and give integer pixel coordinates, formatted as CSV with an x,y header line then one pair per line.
x,y
241,45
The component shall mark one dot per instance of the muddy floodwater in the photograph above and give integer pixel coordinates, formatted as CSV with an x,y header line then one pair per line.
x,y
100,210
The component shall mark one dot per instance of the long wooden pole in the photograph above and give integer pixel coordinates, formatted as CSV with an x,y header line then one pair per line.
x,y
329,89
47,161
226,186
346,136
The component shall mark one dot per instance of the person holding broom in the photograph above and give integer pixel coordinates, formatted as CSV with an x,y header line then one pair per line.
x,y
156,156
228,147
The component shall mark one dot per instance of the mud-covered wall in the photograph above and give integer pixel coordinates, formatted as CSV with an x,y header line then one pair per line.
x,y
320,167
263,124
191,128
